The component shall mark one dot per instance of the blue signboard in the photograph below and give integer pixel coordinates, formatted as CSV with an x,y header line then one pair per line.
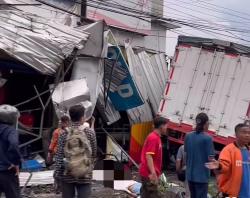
x,y
123,92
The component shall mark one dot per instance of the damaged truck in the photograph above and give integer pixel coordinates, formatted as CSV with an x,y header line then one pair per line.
x,y
211,76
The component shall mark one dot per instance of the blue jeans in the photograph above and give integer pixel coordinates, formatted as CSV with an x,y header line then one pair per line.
x,y
69,190
198,190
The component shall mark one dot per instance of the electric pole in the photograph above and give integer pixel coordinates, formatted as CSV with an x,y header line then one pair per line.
x,y
83,10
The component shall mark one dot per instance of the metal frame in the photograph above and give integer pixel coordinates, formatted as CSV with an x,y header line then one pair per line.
x,y
122,150
45,105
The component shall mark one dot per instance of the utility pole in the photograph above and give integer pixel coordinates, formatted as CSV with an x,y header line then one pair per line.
x,y
83,10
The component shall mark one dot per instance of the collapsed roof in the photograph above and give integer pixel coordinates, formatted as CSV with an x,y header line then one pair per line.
x,y
38,42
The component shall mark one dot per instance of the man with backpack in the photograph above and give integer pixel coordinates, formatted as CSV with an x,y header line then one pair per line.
x,y
75,156
10,158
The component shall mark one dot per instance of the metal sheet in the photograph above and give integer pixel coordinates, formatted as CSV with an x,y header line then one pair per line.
x,y
150,75
142,113
46,177
95,43
51,13
37,41
154,85
107,110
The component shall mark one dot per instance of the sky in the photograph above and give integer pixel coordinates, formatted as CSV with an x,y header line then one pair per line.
x,y
225,14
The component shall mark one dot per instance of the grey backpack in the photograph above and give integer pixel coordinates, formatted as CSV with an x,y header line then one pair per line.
x,y
78,154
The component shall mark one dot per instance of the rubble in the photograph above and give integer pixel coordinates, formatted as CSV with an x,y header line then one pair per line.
x,y
97,191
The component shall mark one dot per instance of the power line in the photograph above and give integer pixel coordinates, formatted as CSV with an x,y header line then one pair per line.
x,y
195,17
51,10
165,6
220,25
214,5
127,8
195,26
207,8
204,28
198,26
18,4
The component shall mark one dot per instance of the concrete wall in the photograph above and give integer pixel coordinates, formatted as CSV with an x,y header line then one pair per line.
x,y
156,41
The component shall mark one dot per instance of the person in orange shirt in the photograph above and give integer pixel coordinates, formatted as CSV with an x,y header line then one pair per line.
x,y
233,167
54,141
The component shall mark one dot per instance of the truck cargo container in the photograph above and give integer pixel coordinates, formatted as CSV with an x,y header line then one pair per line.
x,y
211,76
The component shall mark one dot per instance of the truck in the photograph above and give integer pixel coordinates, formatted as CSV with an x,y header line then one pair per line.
x,y
210,76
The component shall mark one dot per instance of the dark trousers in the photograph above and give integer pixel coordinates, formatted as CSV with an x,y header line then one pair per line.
x,y
9,184
224,195
149,190
198,190
69,190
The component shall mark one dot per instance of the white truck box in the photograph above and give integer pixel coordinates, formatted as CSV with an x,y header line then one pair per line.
x,y
212,77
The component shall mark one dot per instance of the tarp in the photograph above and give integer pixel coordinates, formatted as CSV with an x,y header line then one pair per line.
x,y
37,41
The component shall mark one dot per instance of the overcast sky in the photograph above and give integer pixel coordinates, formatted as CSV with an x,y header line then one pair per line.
x,y
223,13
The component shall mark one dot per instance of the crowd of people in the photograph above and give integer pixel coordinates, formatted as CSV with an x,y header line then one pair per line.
x,y
195,160
73,149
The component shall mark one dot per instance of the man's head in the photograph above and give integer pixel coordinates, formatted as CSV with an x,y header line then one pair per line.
x,y
202,122
161,124
242,132
76,113
64,121
9,115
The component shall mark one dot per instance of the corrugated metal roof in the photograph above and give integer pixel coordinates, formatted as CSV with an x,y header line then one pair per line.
x,y
37,41
150,75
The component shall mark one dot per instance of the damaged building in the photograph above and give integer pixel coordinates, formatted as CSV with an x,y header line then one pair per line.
x,y
53,57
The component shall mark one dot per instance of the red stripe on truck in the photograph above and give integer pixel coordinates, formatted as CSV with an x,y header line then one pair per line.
x,y
168,84
186,128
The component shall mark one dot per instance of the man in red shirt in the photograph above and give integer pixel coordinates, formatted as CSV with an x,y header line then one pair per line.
x,y
151,159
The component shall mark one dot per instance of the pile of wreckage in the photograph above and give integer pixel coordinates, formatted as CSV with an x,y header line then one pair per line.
x,y
46,66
